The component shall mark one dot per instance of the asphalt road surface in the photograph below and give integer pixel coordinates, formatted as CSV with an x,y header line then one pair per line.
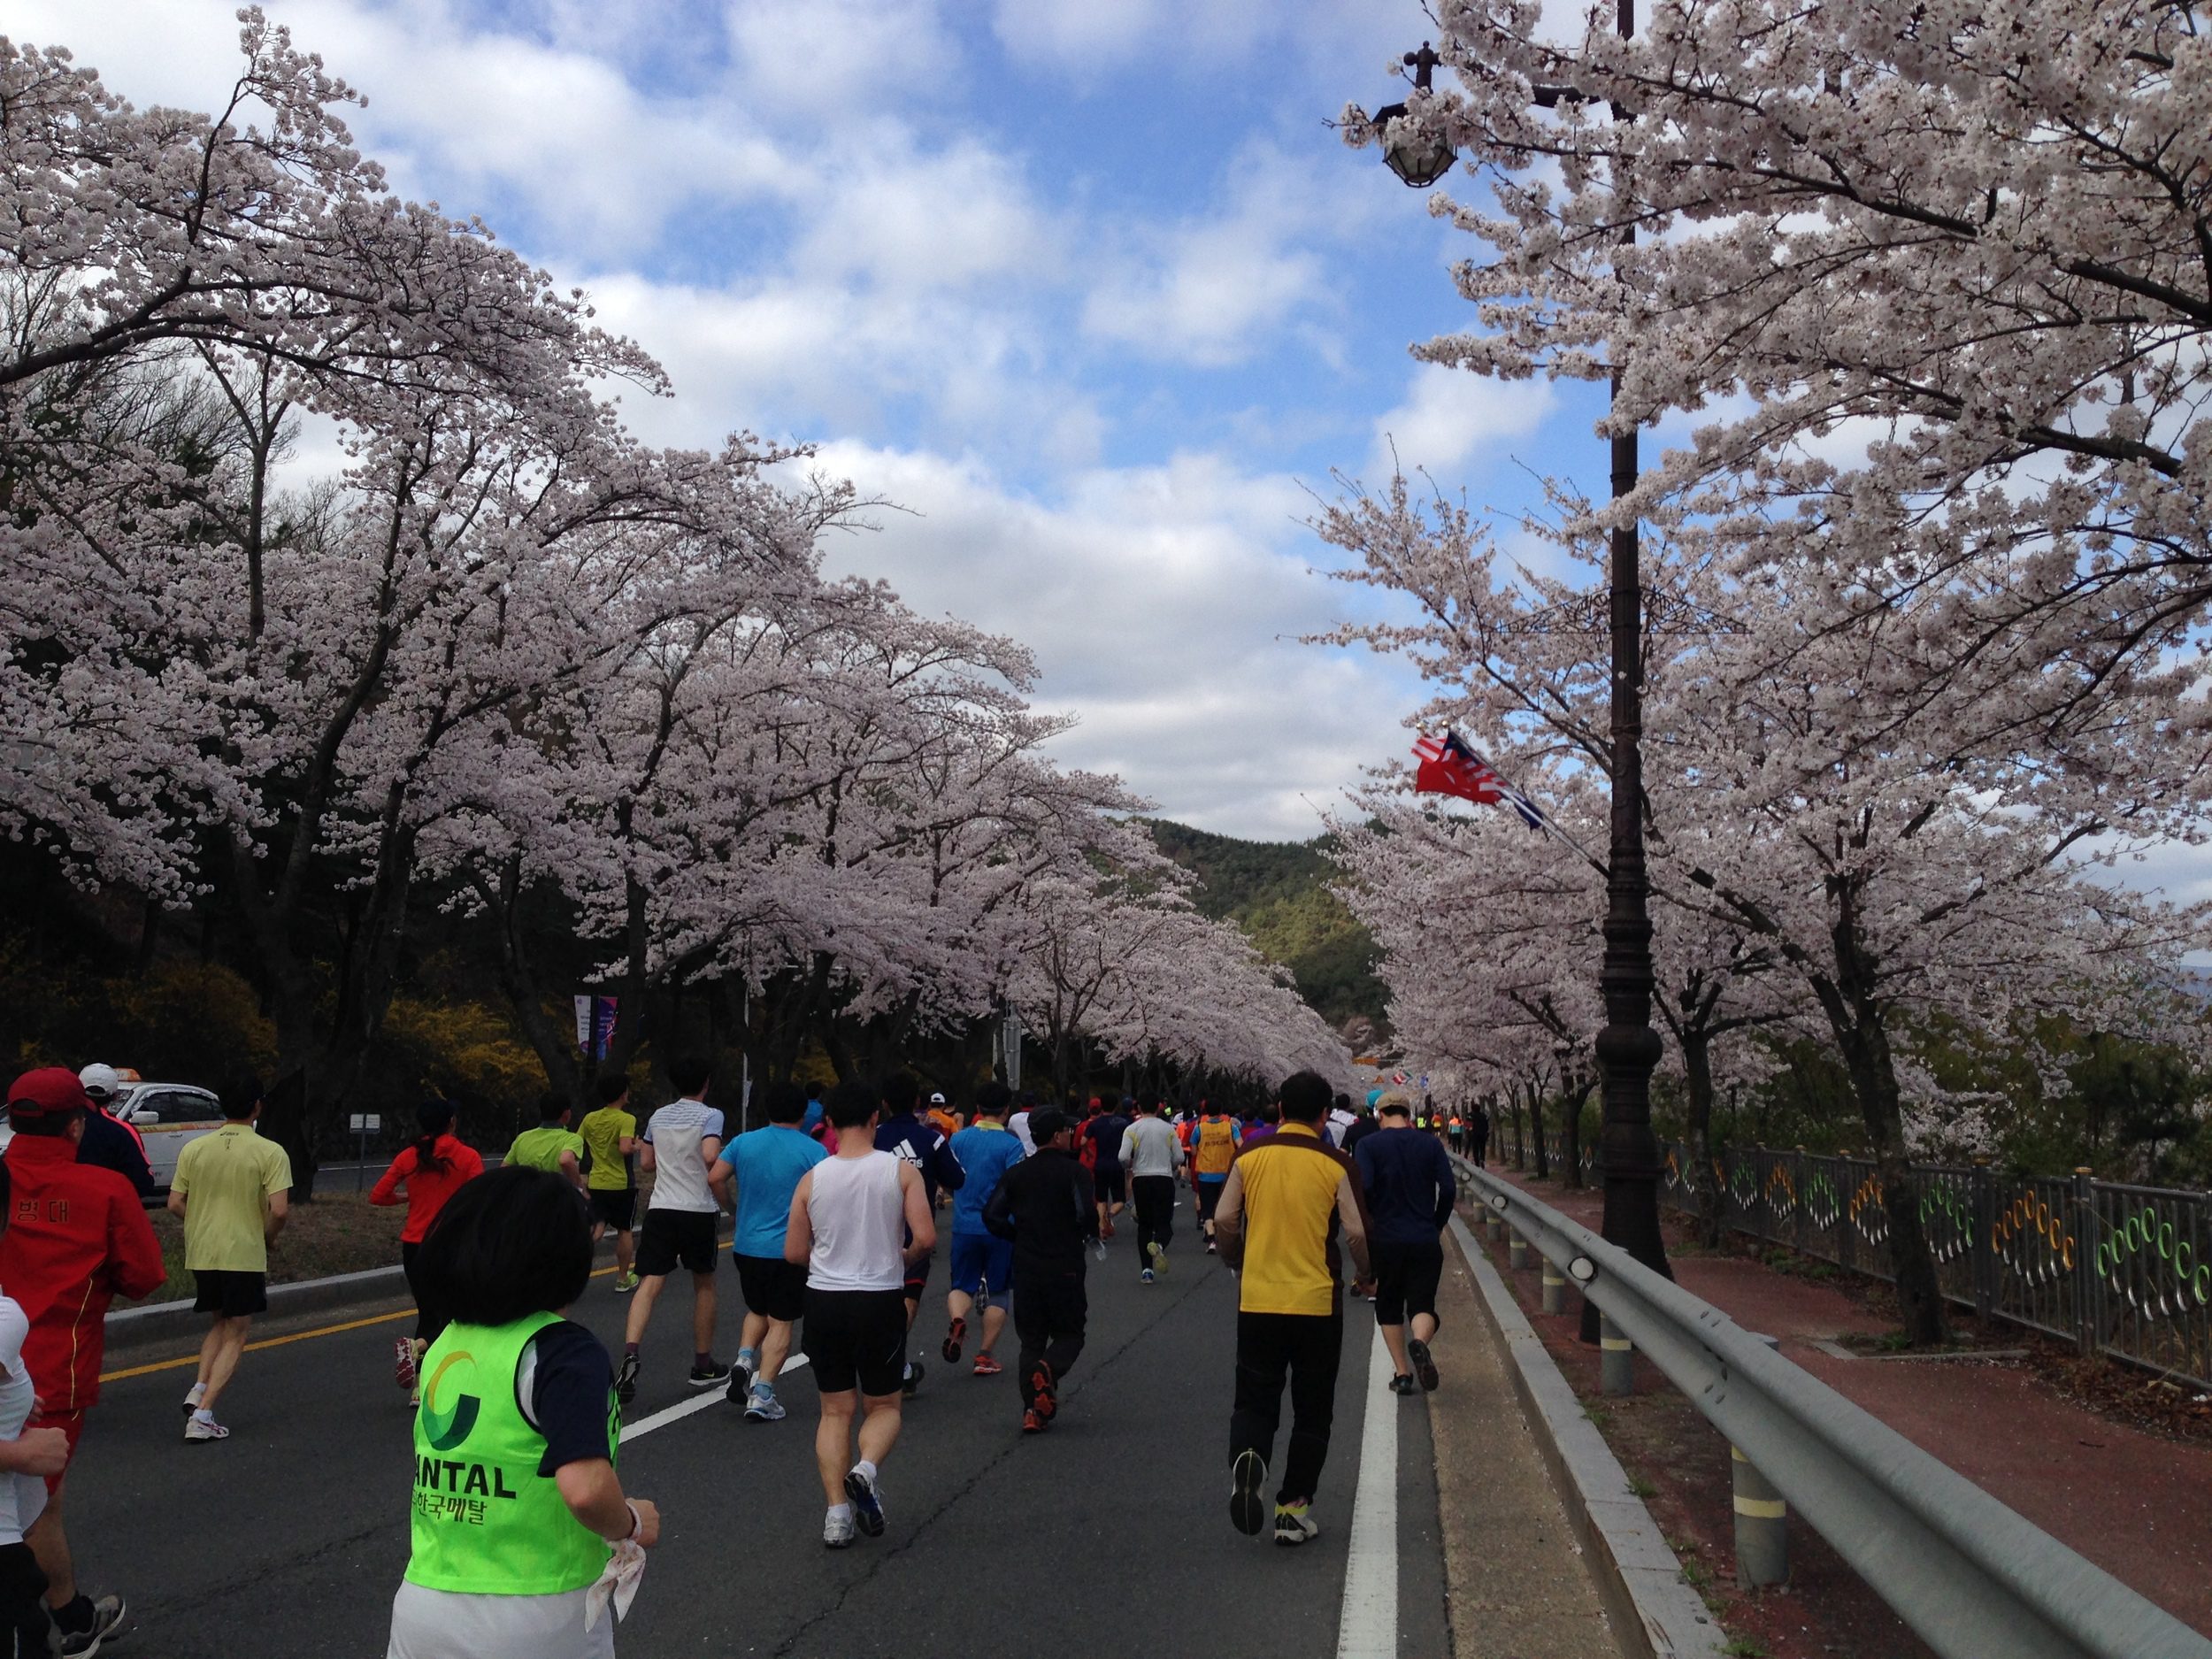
x,y
1110,1534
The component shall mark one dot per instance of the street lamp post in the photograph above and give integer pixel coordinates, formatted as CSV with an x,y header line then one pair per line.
x,y
1627,1048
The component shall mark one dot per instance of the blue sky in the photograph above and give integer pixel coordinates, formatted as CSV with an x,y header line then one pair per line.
x,y
1087,289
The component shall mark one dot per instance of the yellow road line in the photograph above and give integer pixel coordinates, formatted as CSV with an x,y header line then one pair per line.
x,y
279,1342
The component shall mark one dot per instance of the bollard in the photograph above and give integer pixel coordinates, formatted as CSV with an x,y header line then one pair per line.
x,y
1617,1356
1554,1289
1497,1228
1516,1250
1763,1538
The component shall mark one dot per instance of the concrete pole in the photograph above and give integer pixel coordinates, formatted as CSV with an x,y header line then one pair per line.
x,y
1554,1289
1762,1537
1617,1356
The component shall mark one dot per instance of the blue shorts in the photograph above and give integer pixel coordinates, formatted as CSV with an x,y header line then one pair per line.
x,y
981,1260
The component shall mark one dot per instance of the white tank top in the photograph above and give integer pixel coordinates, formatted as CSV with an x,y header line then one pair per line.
x,y
859,1218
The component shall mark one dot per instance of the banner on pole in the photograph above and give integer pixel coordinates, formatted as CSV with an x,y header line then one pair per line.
x,y
594,1025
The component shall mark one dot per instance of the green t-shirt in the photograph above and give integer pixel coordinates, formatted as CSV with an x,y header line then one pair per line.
x,y
603,1132
541,1149
227,1178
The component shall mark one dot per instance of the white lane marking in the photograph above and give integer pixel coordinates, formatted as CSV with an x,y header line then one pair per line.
x,y
1370,1627
683,1409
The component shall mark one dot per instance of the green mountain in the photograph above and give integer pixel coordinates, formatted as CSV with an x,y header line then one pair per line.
x,y
1278,892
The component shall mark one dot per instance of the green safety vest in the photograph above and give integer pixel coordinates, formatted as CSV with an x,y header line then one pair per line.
x,y
484,1521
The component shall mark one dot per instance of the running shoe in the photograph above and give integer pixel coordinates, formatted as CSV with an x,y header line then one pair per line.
x,y
762,1406
403,1364
1211,1248
910,1381
837,1532
709,1374
1042,1401
1032,1424
1145,1277
199,1426
1402,1384
1157,1253
1109,1229
741,1375
107,1619
624,1283
867,1501
1248,1508
1423,1363
192,1398
626,1379
985,1366
954,1335
1294,1525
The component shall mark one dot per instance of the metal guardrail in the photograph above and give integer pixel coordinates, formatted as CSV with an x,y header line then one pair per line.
x,y
1972,1577
2115,1269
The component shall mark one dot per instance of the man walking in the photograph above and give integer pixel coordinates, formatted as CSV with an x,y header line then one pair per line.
x,y
610,1135
1406,1181
1152,1155
1290,1203
982,1264
1479,1135
765,1166
232,1190
1109,1181
847,1219
682,1140
552,1145
78,1237
1043,1206
914,1140
1214,1141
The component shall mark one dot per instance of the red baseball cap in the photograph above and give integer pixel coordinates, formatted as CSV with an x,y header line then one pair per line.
x,y
48,1091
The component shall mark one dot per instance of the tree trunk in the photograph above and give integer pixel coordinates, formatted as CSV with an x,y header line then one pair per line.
x,y
1697,1066
1571,1135
1536,1132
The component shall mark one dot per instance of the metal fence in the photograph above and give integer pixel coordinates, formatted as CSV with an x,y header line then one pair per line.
x,y
1973,1577
2118,1269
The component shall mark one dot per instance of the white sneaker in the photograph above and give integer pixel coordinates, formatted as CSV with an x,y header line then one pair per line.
x,y
199,1426
762,1406
837,1532
192,1398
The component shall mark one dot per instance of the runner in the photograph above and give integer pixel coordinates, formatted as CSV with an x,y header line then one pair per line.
x,y
766,1166
947,1121
915,1141
109,1142
1479,1135
232,1190
813,1121
982,1264
1152,1155
1359,1131
1263,1124
1019,1122
1109,1181
1213,1142
682,1140
80,1236
1407,1186
431,1171
517,1506
1278,1221
552,1145
609,1134
27,1456
847,1218
1341,1117
1043,1206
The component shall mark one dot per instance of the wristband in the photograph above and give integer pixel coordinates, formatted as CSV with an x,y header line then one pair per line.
x,y
637,1521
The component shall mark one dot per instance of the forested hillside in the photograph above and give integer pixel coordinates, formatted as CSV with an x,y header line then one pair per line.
x,y
1278,892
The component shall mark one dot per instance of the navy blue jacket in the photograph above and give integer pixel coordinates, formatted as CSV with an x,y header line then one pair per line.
x,y
1410,1186
923,1144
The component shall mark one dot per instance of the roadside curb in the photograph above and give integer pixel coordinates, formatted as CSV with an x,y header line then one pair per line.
x,y
1655,1614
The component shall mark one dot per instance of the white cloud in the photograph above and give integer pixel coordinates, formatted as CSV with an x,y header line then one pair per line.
x,y
1449,418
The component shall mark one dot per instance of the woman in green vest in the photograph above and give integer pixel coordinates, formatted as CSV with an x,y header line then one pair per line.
x,y
517,1506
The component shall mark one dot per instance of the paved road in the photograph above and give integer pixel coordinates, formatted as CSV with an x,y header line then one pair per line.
x,y
1108,1535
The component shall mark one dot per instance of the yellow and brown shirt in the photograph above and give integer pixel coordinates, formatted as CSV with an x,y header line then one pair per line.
x,y
1290,1202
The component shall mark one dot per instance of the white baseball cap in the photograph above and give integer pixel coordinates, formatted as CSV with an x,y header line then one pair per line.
x,y
102,1082
937,1100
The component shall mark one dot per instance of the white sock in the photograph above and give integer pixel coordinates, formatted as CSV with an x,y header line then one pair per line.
x,y
840,1512
866,1468
200,1414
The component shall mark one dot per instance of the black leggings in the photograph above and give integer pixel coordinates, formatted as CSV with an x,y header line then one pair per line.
x,y
1154,1196
1050,1307
430,1323
1307,1345
23,1620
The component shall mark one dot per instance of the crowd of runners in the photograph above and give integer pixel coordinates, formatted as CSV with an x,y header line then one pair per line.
x,y
521,1531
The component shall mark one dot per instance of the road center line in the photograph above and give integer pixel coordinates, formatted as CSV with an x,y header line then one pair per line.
x,y
1370,1626
683,1409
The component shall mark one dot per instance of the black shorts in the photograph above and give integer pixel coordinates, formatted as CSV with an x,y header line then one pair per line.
x,y
229,1294
1406,1278
856,1338
614,1207
771,1286
673,1236
1110,1183
918,1278
1209,1196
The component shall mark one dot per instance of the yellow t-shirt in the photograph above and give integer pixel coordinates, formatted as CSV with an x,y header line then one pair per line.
x,y
227,1178
603,1132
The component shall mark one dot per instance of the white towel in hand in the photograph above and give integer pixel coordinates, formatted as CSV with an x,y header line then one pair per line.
x,y
625,1570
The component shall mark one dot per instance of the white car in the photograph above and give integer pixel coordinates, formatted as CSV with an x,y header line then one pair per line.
x,y
166,1116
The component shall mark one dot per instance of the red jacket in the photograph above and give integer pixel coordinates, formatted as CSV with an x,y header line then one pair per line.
x,y
77,1236
426,1189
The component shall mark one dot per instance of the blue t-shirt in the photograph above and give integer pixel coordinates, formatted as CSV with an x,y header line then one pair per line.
x,y
985,1152
768,1163
812,1115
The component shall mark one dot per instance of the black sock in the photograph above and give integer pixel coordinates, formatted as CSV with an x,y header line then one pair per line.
x,y
628,1349
702,1361
74,1616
